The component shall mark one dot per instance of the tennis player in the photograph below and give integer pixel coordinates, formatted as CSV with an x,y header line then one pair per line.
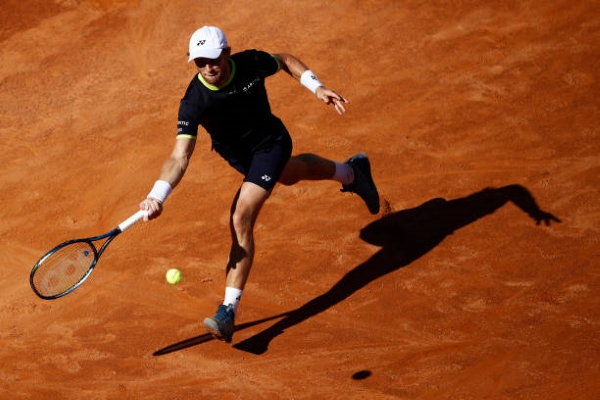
x,y
229,100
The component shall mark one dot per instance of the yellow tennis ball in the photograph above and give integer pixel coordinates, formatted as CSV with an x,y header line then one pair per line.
x,y
173,276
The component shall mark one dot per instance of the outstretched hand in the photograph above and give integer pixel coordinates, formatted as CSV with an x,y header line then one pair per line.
x,y
540,216
328,96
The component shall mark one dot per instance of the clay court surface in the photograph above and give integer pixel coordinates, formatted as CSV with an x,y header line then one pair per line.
x,y
480,119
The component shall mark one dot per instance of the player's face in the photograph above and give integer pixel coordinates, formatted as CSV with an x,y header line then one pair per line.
x,y
214,71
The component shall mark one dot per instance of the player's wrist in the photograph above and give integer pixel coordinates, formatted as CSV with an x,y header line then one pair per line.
x,y
160,191
309,80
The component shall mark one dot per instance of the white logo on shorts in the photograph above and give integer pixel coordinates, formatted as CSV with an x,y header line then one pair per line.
x,y
265,178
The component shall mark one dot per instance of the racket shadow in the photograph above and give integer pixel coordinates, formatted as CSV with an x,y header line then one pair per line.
x,y
404,237
207,337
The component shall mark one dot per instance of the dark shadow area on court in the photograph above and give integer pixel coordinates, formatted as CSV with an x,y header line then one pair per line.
x,y
404,237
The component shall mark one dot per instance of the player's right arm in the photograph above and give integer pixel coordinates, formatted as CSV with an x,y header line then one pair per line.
x,y
170,175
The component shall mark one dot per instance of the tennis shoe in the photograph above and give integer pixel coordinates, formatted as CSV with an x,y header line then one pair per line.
x,y
363,184
222,324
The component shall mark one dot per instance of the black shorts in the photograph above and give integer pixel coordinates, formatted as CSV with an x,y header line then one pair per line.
x,y
262,166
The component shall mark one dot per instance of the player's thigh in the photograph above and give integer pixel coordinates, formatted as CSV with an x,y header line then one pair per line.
x,y
267,164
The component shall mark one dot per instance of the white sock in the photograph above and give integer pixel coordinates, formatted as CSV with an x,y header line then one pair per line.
x,y
343,173
233,297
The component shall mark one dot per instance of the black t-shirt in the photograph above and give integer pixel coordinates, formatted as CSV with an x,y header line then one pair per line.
x,y
237,116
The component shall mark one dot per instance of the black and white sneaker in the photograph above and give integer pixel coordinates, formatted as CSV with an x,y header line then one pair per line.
x,y
363,184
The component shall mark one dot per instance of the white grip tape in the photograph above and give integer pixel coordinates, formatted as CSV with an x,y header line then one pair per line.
x,y
133,219
310,81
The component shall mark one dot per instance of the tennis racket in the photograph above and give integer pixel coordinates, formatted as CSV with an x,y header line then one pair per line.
x,y
65,267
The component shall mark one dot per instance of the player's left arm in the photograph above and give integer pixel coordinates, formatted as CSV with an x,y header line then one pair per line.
x,y
300,71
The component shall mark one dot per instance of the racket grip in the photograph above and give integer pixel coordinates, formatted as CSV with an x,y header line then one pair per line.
x,y
132,220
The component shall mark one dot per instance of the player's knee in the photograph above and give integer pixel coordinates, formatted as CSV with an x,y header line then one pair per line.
x,y
241,225
242,220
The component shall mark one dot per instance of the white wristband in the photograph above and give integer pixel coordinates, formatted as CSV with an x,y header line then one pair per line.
x,y
309,80
160,191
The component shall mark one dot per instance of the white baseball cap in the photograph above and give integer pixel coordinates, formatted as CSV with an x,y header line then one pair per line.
x,y
207,42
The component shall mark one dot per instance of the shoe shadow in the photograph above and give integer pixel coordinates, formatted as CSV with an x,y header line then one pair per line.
x,y
404,236
207,337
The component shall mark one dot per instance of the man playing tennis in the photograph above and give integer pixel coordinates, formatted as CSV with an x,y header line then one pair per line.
x,y
229,100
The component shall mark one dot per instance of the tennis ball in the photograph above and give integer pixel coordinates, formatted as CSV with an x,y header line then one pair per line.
x,y
173,276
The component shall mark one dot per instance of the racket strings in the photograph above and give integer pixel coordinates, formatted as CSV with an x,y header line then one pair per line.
x,y
64,268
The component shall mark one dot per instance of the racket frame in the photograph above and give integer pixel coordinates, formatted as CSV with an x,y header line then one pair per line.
x,y
109,236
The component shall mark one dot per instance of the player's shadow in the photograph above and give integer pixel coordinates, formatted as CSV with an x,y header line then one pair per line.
x,y
207,337
404,236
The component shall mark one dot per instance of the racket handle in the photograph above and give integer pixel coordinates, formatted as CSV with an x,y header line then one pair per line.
x,y
132,220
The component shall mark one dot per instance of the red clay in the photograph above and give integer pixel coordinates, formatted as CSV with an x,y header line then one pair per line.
x,y
479,117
